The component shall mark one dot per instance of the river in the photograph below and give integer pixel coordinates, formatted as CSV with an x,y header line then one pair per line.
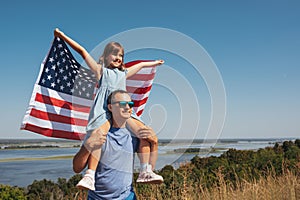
x,y
20,167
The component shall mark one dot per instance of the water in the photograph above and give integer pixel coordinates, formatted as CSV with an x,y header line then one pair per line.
x,y
23,172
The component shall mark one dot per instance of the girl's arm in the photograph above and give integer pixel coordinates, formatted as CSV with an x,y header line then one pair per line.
x,y
94,66
137,67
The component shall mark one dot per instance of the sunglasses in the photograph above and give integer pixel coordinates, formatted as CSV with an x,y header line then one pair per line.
x,y
123,104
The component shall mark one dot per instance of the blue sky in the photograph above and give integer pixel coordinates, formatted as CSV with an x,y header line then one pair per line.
x,y
255,46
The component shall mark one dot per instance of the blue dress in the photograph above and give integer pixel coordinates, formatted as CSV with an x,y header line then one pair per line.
x,y
111,80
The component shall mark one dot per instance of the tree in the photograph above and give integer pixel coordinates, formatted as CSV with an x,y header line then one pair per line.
x,y
44,190
11,193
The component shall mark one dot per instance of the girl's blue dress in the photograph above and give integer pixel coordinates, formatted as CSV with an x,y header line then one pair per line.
x,y
111,80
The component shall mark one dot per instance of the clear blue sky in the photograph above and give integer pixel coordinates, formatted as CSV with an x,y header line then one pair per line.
x,y
254,44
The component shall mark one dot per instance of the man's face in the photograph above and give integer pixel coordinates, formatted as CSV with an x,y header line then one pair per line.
x,y
119,111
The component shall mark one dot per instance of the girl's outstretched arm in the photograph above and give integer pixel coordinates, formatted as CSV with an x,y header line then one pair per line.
x,y
94,66
135,68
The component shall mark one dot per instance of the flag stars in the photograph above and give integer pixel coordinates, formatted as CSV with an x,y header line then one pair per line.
x,y
51,59
64,74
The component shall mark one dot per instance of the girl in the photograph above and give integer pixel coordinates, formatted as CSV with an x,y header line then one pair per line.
x,y
111,74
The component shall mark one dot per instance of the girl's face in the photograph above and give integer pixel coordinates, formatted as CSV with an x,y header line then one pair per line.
x,y
115,59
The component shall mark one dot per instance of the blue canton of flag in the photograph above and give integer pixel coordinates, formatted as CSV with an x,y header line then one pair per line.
x,y
64,74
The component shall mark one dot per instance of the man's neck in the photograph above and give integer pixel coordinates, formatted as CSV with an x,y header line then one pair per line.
x,y
119,124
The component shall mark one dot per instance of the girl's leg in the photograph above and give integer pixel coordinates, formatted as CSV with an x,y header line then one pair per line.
x,y
148,150
88,180
96,154
147,153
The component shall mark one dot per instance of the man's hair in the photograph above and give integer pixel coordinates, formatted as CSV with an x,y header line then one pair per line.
x,y
112,95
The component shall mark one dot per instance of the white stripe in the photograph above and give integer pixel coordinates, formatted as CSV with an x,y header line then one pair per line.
x,y
147,70
141,107
135,83
139,97
55,125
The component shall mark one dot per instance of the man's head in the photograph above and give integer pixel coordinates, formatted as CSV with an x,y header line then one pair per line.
x,y
120,105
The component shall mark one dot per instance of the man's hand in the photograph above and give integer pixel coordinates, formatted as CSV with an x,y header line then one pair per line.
x,y
148,134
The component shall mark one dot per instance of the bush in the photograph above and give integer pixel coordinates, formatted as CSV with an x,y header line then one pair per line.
x,y
11,193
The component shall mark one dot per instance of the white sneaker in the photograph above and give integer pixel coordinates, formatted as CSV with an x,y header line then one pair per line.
x,y
87,182
148,176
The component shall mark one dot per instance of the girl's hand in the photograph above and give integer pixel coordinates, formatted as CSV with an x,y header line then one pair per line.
x,y
160,62
57,33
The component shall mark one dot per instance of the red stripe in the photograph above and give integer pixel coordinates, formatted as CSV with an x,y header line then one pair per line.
x,y
60,103
140,102
142,77
54,133
138,90
139,113
57,118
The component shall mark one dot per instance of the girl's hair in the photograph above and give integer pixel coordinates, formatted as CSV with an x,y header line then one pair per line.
x,y
110,48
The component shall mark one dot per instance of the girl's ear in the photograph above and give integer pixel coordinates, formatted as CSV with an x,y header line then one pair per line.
x,y
109,107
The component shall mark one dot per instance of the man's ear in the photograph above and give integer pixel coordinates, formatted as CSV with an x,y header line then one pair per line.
x,y
109,107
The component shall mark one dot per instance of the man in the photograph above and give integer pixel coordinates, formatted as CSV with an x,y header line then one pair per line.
x,y
114,174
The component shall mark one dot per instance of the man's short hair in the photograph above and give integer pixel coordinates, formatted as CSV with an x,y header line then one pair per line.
x,y
112,95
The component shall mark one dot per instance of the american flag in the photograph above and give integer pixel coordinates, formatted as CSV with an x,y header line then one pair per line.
x,y
64,91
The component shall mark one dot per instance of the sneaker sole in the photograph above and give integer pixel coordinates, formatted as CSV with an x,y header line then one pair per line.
x,y
81,187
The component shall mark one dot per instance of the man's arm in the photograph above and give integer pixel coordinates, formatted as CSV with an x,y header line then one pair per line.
x,y
80,159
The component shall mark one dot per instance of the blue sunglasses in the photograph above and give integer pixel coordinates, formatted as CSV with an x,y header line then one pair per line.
x,y
123,104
